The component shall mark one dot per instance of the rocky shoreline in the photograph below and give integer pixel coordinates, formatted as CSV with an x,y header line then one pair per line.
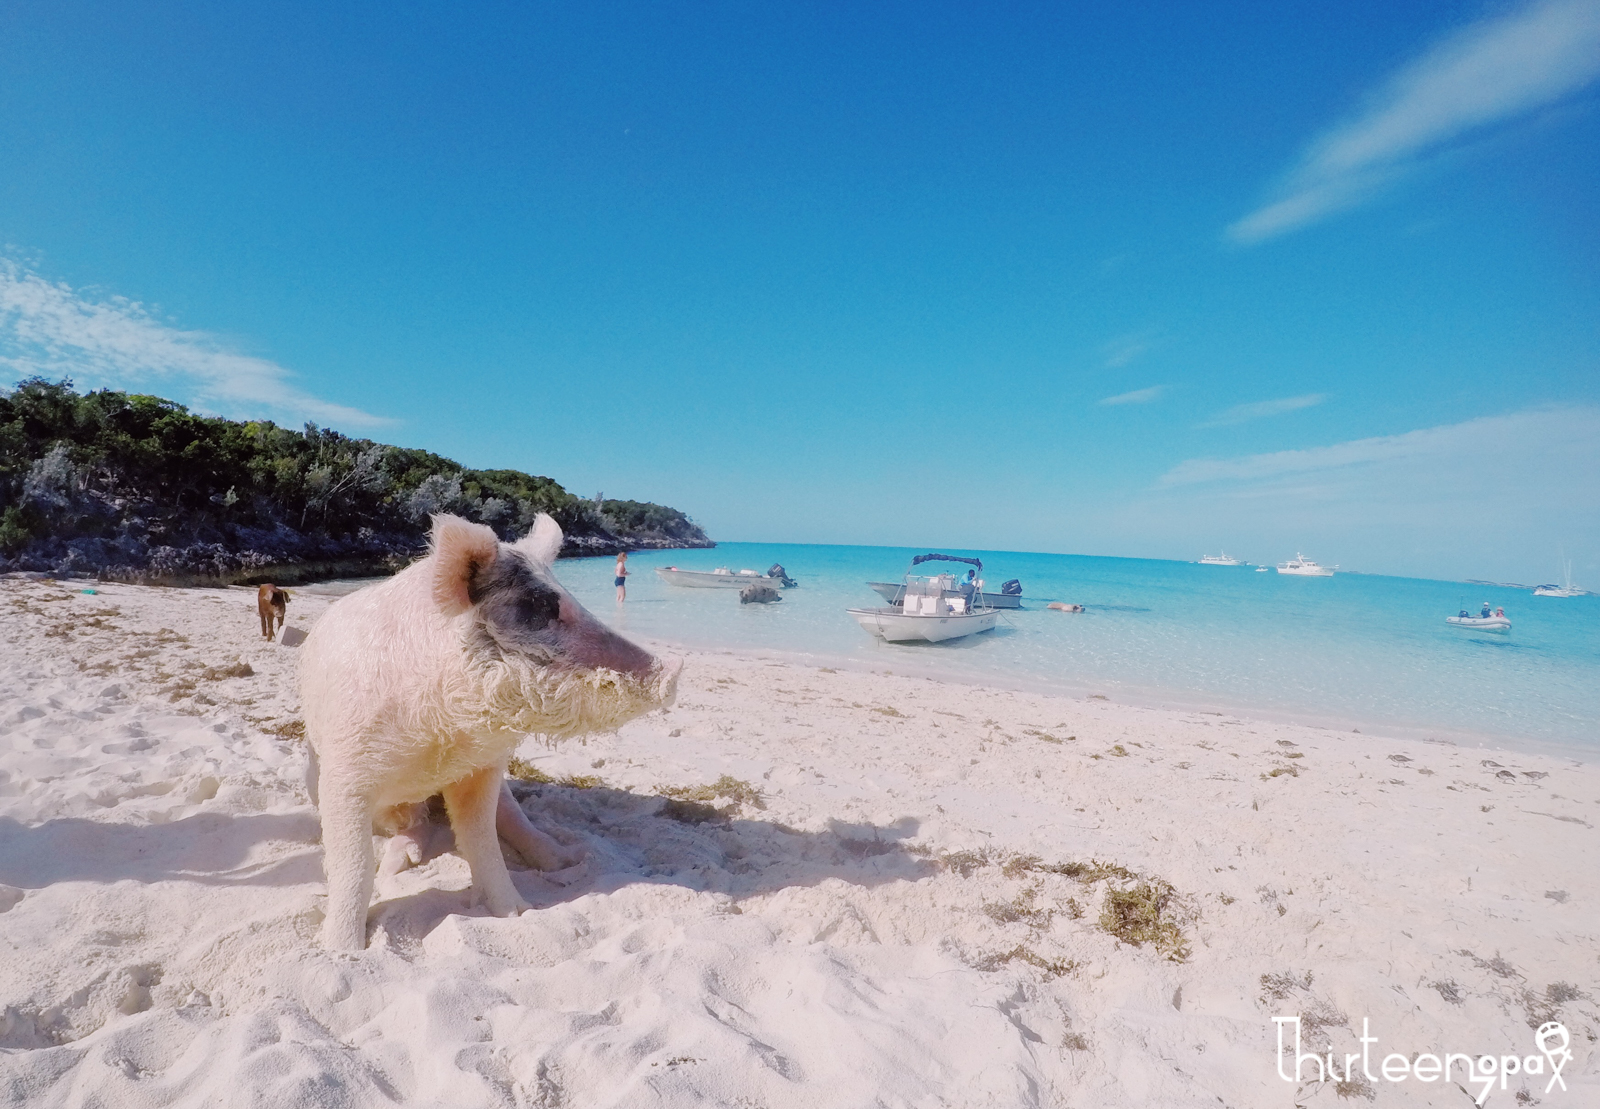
x,y
283,557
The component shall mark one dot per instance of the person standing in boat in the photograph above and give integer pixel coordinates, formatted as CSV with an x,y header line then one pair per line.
x,y
622,576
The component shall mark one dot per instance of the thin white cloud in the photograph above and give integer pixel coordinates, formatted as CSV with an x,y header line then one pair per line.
x,y
1138,396
1482,442
1244,413
1120,352
1487,72
1490,498
52,330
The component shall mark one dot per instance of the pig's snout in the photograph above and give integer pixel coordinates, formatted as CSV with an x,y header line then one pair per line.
x,y
592,645
609,651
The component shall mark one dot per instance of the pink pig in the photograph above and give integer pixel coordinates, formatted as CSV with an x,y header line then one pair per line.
x,y
426,683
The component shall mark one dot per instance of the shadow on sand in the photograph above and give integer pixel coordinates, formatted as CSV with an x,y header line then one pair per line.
x,y
644,838
264,849
631,838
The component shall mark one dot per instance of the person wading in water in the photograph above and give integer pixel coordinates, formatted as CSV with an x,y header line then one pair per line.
x,y
622,577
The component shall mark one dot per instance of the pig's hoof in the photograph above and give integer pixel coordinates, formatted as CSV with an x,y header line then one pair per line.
x,y
344,938
561,856
509,905
400,853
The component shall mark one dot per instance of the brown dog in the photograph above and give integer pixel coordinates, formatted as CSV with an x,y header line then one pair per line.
x,y
270,603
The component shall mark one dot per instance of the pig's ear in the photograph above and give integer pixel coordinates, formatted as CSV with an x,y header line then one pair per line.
x,y
543,542
461,551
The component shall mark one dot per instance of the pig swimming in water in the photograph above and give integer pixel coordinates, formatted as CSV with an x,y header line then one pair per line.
x,y
426,683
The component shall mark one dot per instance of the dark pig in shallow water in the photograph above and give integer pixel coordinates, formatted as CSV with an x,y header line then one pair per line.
x,y
759,594
426,683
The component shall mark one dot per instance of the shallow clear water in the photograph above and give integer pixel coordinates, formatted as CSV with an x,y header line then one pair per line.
x,y
1351,650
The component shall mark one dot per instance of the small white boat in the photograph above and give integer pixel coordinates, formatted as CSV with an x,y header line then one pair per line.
x,y
720,578
932,609
1498,622
1223,559
1261,569
1301,566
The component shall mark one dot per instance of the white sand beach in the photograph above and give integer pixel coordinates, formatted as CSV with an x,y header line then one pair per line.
x,y
805,887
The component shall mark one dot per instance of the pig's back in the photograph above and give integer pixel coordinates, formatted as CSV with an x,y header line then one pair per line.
x,y
373,655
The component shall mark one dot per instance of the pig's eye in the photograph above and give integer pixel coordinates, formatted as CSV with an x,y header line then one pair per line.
x,y
537,608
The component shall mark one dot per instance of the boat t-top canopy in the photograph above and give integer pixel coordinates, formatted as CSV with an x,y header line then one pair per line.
x,y
917,561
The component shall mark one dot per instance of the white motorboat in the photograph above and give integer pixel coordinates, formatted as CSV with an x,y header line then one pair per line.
x,y
932,609
1301,566
1261,569
1223,559
1497,621
896,625
720,578
1565,589
894,592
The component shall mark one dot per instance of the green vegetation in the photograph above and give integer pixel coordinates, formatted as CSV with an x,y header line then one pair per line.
x,y
693,812
644,518
734,789
1092,871
1137,909
1053,968
1142,914
137,486
525,771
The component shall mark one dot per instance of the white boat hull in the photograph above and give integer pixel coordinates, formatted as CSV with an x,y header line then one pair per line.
x,y
894,593
896,626
1481,623
1557,591
1319,572
699,579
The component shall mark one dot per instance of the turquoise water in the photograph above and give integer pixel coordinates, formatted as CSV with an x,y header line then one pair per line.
x,y
1348,651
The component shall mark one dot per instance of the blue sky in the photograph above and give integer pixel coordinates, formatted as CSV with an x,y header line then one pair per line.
x,y
1147,282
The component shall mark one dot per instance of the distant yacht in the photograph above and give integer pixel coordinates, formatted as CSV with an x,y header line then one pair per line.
x,y
1558,591
1223,559
1302,566
1565,589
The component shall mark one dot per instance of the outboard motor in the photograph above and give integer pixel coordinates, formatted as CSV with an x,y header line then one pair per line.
x,y
1012,588
781,576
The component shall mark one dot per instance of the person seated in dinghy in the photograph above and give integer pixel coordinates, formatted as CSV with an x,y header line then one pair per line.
x,y
1485,613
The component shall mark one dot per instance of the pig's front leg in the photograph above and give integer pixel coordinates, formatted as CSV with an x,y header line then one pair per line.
x,y
471,803
347,859
541,851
